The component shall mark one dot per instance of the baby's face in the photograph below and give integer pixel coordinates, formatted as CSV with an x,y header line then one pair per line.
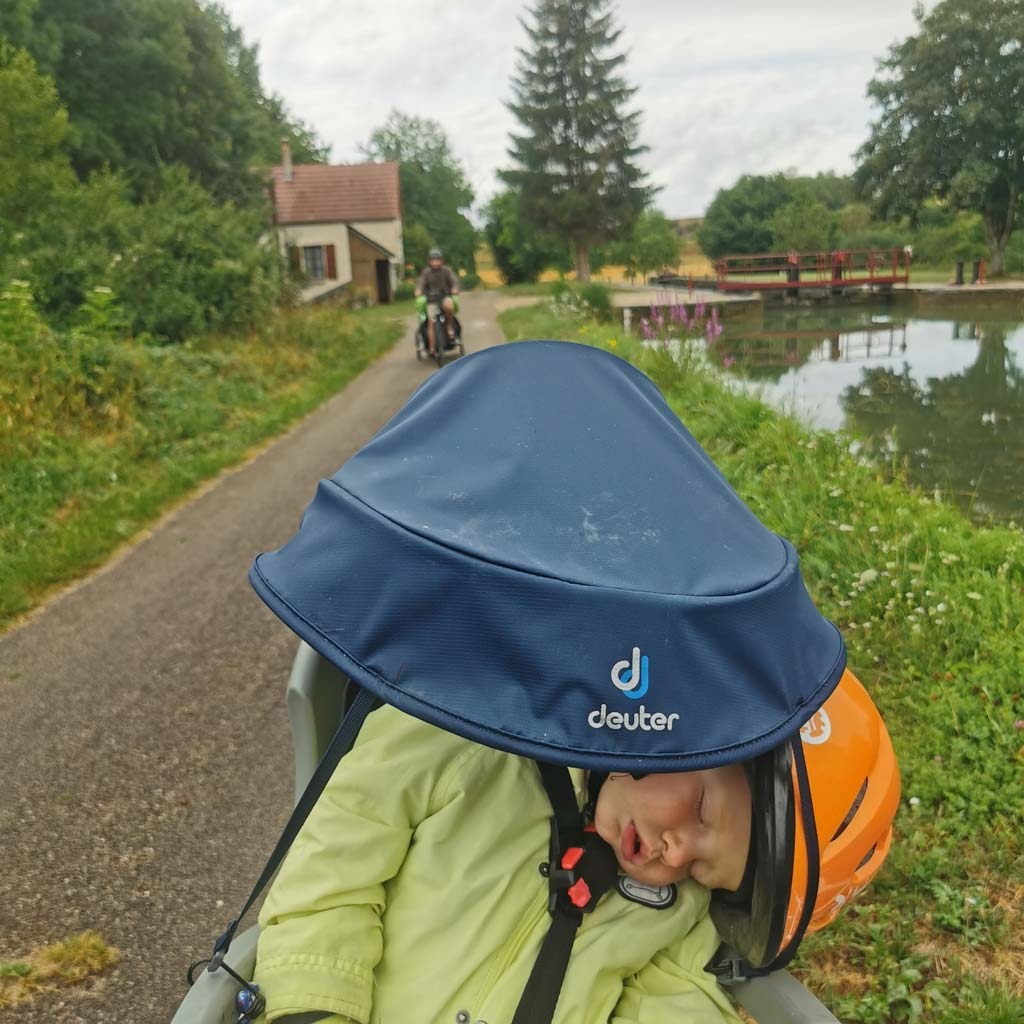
x,y
664,828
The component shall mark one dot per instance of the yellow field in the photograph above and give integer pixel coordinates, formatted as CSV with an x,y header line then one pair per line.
x,y
692,261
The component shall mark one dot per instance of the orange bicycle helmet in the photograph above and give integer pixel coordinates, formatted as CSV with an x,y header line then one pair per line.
x,y
822,824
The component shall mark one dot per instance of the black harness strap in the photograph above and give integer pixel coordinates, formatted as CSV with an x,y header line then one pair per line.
x,y
363,704
581,868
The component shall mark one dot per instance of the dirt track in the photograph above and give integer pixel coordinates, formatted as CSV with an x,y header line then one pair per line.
x,y
144,742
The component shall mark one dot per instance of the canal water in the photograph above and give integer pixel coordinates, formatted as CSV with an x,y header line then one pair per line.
x,y
942,397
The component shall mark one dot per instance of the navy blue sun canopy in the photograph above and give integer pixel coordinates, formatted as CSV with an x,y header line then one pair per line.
x,y
536,554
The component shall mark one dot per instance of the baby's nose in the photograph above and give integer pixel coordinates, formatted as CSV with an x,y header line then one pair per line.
x,y
676,851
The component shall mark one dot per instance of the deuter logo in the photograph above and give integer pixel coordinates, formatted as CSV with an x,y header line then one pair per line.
x,y
632,678
634,683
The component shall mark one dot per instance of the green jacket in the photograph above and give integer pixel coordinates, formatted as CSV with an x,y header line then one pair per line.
x,y
413,896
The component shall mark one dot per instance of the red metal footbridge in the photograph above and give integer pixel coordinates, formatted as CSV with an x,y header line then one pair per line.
x,y
796,271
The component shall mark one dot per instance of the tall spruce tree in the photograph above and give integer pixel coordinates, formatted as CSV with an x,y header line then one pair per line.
x,y
576,171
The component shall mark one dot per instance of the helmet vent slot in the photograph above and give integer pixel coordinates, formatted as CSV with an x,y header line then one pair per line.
x,y
867,856
857,801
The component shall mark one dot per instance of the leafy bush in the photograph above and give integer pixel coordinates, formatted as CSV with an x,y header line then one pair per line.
x,y
876,236
598,299
404,290
805,225
562,290
194,266
470,281
942,244
85,379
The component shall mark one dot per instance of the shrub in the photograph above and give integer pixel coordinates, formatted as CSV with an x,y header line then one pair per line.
x,y
195,267
561,290
404,290
599,300
470,281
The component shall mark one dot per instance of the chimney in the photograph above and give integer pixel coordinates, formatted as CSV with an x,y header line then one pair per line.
x,y
286,160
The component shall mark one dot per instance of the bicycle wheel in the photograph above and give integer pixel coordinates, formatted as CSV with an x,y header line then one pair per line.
x,y
440,341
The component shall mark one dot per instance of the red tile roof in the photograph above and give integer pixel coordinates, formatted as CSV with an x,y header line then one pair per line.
x,y
320,193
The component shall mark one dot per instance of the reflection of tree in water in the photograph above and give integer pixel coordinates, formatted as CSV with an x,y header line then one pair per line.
x,y
962,434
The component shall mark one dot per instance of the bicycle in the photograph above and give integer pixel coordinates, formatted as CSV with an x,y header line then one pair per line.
x,y
443,345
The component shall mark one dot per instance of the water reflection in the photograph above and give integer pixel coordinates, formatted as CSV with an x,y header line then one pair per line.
x,y
946,397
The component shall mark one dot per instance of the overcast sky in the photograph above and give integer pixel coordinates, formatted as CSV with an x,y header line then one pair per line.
x,y
725,87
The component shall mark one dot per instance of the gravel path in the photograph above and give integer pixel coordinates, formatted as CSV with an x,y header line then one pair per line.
x,y
143,735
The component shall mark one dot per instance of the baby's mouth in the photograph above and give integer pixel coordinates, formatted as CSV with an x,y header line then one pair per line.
x,y
631,846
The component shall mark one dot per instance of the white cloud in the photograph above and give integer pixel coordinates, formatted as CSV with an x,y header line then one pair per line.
x,y
725,89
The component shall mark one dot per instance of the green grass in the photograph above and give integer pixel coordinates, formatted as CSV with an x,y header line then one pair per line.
x,y
931,608
538,288
60,965
944,275
108,435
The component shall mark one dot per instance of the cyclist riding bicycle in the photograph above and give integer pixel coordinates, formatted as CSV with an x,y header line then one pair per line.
x,y
437,283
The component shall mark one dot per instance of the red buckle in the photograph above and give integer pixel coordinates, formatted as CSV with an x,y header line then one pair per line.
x,y
579,894
571,857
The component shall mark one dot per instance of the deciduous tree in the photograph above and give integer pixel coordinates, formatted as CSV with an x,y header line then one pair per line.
x,y
804,225
148,83
520,253
951,98
435,192
33,134
739,218
653,245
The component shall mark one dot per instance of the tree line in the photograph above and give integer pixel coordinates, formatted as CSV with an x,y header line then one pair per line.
x,y
132,131
942,168
130,136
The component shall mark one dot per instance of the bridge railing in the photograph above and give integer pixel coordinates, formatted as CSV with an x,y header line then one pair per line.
x,y
837,268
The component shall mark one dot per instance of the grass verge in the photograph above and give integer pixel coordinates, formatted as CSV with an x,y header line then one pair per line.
x,y
931,608
103,436
77,959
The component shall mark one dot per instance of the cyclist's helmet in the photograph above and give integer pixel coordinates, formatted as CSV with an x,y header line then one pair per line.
x,y
435,254
823,806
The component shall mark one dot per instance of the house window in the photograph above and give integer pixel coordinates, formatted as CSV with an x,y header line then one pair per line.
x,y
313,261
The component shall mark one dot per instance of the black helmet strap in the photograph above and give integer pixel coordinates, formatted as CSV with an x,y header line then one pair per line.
x,y
813,857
